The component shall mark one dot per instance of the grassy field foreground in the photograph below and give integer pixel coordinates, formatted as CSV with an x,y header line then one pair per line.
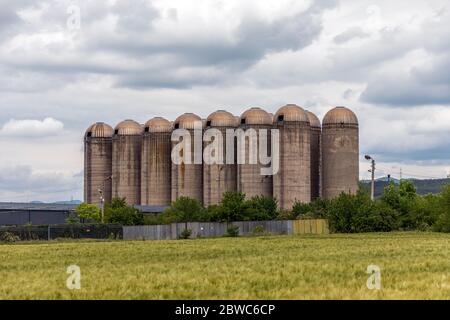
x,y
413,265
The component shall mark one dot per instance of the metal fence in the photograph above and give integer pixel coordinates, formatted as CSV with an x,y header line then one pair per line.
x,y
218,229
76,231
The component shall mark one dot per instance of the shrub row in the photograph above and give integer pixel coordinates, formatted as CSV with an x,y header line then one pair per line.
x,y
399,208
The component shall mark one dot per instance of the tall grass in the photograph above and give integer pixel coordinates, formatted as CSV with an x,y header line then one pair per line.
x,y
413,265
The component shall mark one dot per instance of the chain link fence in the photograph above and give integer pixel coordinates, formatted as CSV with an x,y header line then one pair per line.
x,y
51,232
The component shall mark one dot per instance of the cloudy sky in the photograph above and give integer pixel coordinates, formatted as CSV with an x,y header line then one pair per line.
x,y
66,64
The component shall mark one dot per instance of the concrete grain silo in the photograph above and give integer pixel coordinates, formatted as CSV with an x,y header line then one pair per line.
x,y
187,176
127,145
97,163
293,181
156,163
219,178
316,166
250,180
340,153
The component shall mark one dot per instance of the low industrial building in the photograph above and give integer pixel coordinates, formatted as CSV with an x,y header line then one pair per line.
x,y
12,213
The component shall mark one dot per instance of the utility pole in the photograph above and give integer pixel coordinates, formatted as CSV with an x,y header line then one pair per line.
x,y
102,198
372,170
102,204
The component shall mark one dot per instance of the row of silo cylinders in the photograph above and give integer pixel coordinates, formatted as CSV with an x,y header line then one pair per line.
x,y
314,161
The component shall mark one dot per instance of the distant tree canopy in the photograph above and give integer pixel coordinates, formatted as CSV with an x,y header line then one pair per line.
x,y
118,212
88,211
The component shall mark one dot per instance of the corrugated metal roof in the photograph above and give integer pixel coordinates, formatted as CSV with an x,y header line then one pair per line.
x,y
37,206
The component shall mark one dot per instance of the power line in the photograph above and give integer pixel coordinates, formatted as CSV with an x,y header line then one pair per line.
x,y
410,173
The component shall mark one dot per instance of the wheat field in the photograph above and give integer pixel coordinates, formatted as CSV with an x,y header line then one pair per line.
x,y
413,266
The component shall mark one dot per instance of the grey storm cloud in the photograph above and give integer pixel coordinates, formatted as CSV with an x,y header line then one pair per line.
x,y
422,85
135,16
21,178
254,38
405,92
349,34
133,37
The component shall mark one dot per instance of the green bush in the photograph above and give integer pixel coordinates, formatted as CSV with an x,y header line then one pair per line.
x,y
358,213
260,208
231,208
259,231
317,209
442,223
232,231
184,209
285,215
185,234
118,212
9,237
88,211
72,219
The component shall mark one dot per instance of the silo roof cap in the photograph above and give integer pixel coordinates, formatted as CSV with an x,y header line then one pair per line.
x,y
256,115
158,124
340,115
99,130
187,121
313,119
128,128
221,118
291,113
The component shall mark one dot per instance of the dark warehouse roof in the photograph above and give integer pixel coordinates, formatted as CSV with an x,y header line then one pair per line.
x,y
15,206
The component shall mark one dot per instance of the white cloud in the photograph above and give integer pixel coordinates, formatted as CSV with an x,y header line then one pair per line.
x,y
32,128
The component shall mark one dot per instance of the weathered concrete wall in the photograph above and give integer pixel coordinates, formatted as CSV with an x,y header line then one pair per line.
x,y
126,168
293,181
97,169
219,178
340,160
156,169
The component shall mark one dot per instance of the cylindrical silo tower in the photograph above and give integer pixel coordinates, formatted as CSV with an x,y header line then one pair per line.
x,y
293,181
250,180
98,163
316,166
187,175
218,175
156,163
340,152
127,145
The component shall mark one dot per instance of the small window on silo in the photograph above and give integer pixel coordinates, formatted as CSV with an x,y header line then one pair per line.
x,y
147,129
89,134
243,121
208,123
116,131
177,126
281,118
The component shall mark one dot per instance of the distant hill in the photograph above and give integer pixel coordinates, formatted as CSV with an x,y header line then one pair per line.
x,y
59,202
68,202
424,186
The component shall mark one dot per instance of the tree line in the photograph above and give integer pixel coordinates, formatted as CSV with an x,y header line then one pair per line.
x,y
398,208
